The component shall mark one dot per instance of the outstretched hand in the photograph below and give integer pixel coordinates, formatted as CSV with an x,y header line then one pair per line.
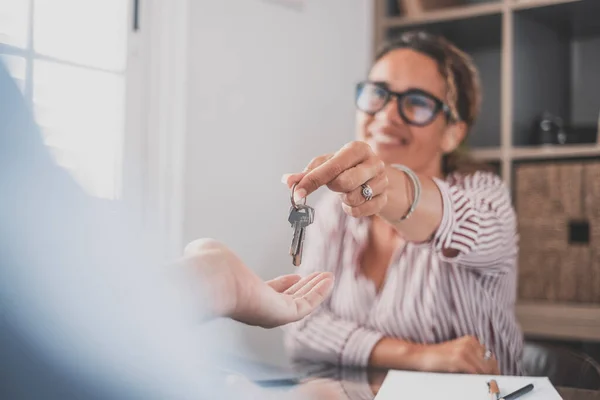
x,y
248,298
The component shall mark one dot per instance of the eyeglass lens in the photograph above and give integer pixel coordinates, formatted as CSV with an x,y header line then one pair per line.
x,y
414,107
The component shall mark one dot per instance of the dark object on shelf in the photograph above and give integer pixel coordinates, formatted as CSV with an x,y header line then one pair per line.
x,y
550,129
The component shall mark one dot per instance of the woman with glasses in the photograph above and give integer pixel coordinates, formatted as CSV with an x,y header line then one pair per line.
x,y
422,244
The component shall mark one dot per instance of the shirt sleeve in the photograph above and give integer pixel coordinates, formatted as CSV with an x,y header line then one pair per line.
x,y
478,227
324,336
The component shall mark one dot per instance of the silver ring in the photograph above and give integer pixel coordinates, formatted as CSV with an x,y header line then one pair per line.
x,y
292,197
487,355
366,192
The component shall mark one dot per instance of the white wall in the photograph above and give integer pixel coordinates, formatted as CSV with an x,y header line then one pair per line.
x,y
271,87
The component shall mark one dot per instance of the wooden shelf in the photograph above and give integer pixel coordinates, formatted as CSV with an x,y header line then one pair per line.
x,y
446,14
534,153
524,4
561,321
491,154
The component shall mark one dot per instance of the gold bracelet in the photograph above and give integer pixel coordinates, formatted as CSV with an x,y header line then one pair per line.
x,y
416,187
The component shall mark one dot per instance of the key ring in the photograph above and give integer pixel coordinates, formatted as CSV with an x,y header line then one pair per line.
x,y
292,197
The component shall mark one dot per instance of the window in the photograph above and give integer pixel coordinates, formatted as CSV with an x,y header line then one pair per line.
x,y
69,58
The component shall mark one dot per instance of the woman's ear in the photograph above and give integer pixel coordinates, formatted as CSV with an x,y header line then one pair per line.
x,y
453,136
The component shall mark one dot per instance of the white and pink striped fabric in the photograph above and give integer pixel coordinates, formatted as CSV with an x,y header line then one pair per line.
x,y
426,297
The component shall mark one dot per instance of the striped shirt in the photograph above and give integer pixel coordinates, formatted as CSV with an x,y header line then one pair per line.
x,y
426,297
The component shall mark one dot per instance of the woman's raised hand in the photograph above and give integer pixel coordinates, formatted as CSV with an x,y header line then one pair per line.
x,y
355,172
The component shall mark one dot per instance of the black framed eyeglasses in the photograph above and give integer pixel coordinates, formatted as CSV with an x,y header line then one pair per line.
x,y
415,106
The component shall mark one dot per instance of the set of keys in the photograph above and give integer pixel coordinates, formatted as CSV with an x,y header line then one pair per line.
x,y
301,216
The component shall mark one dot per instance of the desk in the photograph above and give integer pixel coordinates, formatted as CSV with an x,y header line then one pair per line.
x,y
357,384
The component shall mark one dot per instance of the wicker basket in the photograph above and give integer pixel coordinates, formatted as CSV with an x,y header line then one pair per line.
x,y
558,208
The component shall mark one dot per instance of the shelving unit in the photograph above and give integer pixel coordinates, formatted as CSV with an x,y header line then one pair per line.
x,y
533,56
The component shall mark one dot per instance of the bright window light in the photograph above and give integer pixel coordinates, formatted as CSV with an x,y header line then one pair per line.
x,y
87,32
81,113
14,16
72,71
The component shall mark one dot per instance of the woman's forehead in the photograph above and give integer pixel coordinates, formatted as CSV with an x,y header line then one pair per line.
x,y
402,69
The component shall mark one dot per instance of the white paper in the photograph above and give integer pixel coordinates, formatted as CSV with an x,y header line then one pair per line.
x,y
400,385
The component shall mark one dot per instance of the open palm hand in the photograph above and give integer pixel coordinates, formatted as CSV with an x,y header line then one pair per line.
x,y
252,301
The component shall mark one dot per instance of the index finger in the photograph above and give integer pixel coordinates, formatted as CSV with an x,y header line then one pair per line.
x,y
348,157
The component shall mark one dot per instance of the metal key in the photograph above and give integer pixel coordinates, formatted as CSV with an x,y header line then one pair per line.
x,y
301,216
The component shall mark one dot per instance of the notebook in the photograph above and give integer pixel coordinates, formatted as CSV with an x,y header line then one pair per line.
x,y
422,385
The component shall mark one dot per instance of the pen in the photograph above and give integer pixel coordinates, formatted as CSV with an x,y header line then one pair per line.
x,y
518,393
493,390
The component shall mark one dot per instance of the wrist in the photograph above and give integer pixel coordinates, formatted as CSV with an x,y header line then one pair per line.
x,y
217,283
399,198
396,354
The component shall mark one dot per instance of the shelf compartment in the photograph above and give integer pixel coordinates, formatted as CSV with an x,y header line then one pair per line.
x,y
445,14
556,59
472,33
575,19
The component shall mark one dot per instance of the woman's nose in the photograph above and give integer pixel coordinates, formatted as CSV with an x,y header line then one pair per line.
x,y
390,113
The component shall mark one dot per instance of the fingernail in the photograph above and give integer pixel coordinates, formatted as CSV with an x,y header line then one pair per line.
x,y
299,194
285,178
